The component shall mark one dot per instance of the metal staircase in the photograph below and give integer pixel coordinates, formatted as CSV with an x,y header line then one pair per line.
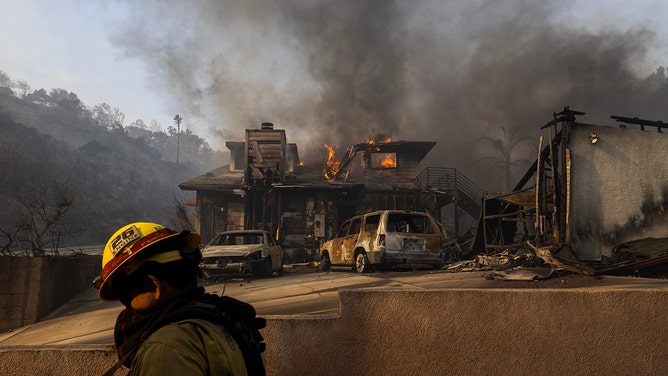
x,y
454,187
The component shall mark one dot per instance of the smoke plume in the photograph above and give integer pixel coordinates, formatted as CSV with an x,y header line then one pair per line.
x,y
341,72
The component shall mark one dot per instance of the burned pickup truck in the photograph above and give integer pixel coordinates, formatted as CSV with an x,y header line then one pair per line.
x,y
387,239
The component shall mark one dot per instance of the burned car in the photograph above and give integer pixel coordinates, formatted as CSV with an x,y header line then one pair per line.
x,y
386,238
242,253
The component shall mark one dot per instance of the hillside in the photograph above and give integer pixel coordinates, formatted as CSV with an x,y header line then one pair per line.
x,y
66,180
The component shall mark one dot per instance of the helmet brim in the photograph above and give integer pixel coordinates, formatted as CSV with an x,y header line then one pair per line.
x,y
108,293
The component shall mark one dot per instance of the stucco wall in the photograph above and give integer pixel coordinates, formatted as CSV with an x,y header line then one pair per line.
x,y
442,332
31,287
618,188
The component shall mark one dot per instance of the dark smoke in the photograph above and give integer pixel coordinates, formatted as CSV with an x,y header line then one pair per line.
x,y
344,71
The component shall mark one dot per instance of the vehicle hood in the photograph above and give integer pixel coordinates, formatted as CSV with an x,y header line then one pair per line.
x,y
229,250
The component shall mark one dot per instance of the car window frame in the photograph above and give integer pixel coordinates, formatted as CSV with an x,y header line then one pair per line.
x,y
269,239
343,230
375,223
407,218
355,226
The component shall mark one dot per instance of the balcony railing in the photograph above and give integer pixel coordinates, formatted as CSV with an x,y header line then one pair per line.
x,y
449,179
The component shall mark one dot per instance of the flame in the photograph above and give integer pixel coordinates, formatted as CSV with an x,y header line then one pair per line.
x,y
300,164
331,164
388,162
385,141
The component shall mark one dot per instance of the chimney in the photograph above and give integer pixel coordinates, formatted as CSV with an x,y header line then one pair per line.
x,y
267,126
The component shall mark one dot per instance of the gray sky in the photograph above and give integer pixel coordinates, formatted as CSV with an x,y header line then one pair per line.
x,y
326,69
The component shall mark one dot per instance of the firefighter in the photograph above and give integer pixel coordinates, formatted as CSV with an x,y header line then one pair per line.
x,y
170,325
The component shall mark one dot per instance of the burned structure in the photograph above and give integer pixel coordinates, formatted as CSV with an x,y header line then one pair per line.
x,y
592,192
265,186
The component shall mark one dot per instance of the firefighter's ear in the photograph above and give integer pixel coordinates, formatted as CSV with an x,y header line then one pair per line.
x,y
153,284
150,295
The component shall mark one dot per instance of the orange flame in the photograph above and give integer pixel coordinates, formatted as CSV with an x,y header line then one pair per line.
x,y
331,163
300,164
388,162
385,141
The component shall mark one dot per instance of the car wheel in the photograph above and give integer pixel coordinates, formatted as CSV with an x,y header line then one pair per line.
x,y
325,263
361,263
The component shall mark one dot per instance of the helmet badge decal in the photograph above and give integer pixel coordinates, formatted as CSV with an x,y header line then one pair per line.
x,y
130,234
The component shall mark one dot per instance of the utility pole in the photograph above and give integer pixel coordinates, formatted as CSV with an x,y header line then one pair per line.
x,y
177,120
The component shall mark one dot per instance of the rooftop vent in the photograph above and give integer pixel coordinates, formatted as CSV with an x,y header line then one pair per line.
x,y
267,126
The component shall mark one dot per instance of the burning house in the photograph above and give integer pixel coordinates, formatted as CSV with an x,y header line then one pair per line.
x,y
265,186
594,195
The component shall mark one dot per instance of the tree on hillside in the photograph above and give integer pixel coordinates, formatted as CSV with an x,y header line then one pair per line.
x,y
23,87
39,96
194,144
194,147
108,117
139,123
8,232
9,241
5,80
155,126
42,217
67,107
36,199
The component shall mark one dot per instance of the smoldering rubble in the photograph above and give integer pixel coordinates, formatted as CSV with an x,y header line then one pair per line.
x,y
591,204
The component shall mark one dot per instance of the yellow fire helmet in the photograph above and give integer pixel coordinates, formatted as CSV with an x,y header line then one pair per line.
x,y
128,242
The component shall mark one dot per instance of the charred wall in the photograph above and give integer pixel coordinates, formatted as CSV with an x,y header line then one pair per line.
x,y
619,188
217,212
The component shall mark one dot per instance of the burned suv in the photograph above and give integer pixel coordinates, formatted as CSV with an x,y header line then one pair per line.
x,y
386,238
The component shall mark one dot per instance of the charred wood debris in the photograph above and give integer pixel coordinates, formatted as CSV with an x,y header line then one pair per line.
x,y
522,235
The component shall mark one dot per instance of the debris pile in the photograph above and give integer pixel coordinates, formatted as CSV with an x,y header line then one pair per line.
x,y
646,258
